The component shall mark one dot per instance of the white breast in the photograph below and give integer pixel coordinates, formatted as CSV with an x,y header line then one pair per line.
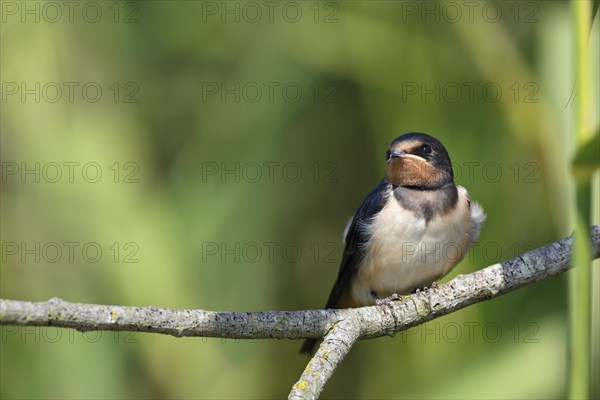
x,y
406,252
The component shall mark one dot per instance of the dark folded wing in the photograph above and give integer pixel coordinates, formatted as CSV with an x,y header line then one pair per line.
x,y
355,239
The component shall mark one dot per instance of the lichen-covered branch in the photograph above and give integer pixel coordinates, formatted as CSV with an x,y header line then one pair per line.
x,y
336,344
341,328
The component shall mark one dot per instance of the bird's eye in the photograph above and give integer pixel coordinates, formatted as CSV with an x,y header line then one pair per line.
x,y
425,149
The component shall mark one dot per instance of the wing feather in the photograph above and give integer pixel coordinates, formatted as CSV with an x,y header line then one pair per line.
x,y
355,239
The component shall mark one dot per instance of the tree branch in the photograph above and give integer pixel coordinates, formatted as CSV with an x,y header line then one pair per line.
x,y
341,328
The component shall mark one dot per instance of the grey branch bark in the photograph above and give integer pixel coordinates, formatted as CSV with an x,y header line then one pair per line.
x,y
340,328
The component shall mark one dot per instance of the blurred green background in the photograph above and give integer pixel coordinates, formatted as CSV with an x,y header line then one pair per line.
x,y
209,154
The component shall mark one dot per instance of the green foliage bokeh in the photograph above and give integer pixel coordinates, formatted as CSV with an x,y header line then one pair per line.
x,y
231,188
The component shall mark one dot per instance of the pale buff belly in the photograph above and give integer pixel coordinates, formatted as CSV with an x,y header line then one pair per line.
x,y
405,252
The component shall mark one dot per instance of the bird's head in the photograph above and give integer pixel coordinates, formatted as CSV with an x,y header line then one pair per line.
x,y
419,161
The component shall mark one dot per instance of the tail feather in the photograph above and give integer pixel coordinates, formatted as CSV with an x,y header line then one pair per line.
x,y
337,299
308,347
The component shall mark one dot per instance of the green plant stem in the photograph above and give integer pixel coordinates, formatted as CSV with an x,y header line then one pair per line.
x,y
580,300
580,280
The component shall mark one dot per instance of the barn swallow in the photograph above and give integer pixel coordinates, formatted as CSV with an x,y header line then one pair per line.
x,y
409,231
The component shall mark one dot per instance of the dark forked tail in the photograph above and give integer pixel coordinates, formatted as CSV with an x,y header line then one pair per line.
x,y
336,300
308,347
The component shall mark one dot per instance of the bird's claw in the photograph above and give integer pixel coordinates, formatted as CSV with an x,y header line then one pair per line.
x,y
425,288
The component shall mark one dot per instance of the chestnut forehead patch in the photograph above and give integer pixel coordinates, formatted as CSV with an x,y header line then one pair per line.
x,y
407,145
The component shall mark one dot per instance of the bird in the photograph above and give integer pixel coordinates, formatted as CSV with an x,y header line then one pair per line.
x,y
409,231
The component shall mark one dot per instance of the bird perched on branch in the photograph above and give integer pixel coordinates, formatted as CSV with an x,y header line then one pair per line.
x,y
409,231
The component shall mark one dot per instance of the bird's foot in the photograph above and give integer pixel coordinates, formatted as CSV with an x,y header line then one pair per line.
x,y
425,288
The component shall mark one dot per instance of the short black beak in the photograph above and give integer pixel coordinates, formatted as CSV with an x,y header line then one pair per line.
x,y
396,154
